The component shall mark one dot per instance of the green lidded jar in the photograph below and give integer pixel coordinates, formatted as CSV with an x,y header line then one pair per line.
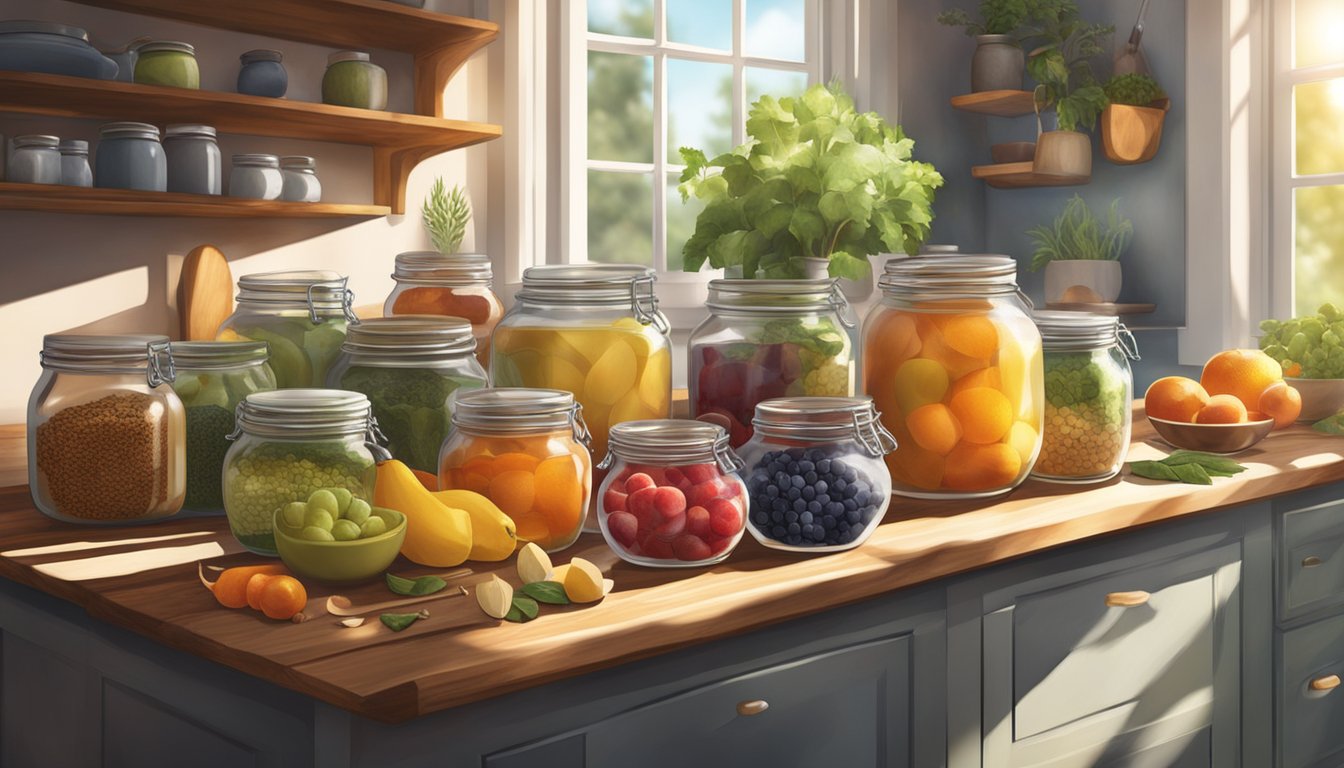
x,y
287,444
302,315
351,80
212,378
166,62
1088,392
412,368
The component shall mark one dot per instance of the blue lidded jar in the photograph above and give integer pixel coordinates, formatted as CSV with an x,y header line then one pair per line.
x,y
131,157
262,74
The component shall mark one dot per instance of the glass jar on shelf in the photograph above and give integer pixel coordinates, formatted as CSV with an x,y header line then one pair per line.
x,y
527,451
212,378
672,496
106,438
1088,392
431,283
765,339
412,368
287,444
302,315
952,361
815,472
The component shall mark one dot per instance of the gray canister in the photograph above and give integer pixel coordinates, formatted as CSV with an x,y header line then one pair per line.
x,y
256,176
195,165
34,160
262,74
75,171
131,157
298,174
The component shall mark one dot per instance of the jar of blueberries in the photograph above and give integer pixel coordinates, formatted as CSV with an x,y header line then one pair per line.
x,y
672,496
816,476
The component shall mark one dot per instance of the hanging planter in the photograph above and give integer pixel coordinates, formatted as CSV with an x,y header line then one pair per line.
x,y
1131,126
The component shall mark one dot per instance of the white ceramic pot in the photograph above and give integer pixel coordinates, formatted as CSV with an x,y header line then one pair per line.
x,y
854,290
1101,277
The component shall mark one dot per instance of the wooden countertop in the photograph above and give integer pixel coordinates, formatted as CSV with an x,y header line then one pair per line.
x,y
458,655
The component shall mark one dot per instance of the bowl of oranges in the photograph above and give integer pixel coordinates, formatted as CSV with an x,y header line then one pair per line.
x,y
1240,398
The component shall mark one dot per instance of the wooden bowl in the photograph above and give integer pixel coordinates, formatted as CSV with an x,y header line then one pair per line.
x,y
1212,438
1321,398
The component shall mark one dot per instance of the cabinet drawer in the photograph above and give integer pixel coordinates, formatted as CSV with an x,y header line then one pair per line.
x,y
1309,720
1311,560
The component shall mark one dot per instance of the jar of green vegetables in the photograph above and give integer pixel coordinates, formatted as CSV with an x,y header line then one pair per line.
x,y
411,367
212,378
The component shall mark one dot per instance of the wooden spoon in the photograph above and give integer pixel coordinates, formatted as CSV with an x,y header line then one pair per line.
x,y
204,293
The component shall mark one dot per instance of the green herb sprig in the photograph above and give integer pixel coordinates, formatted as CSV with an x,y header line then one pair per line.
x,y
446,216
1192,467
1077,234
425,585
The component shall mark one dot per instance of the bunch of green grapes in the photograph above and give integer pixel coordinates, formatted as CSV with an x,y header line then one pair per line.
x,y
1310,347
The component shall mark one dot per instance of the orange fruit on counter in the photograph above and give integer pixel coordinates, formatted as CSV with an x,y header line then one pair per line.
x,y
934,428
985,414
1281,403
972,467
1242,373
1222,409
1175,398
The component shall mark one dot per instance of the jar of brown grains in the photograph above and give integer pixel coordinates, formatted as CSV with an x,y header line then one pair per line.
x,y
106,438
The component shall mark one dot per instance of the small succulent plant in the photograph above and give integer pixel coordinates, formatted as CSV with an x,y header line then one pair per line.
x,y
446,215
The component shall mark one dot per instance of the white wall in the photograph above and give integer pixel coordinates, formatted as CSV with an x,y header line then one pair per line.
x,y
99,274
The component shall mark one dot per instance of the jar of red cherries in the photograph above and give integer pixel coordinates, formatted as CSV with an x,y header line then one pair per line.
x,y
672,496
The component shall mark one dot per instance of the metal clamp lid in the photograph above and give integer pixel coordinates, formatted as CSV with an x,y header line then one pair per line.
x,y
843,309
347,300
670,442
645,306
873,434
825,419
1124,338
158,371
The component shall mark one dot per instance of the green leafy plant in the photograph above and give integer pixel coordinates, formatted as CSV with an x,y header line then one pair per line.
x,y
1077,234
816,178
446,216
1310,347
1060,62
997,17
1133,89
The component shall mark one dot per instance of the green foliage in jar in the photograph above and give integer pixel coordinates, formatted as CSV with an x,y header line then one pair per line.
x,y
997,17
301,353
1061,46
1133,89
412,408
1077,234
815,179
1310,347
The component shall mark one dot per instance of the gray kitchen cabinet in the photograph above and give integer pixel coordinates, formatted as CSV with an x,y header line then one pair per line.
x,y
1311,560
1311,711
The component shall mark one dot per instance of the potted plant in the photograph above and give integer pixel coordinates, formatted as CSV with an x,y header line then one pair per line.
x,y
816,179
1081,257
1131,124
1060,64
998,61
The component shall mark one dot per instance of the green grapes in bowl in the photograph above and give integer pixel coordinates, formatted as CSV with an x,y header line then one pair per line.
x,y
1311,350
335,538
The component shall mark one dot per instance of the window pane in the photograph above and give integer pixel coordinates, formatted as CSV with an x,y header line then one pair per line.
x,y
1318,35
699,107
680,222
774,82
706,23
1320,126
631,18
620,107
1318,263
775,29
620,218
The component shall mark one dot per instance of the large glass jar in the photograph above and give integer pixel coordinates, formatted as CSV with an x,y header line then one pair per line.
x,y
212,378
288,444
106,438
672,496
765,339
430,283
411,368
952,361
301,315
815,473
1088,389
526,450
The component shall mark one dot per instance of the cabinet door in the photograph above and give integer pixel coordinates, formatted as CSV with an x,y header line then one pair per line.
x,y
1311,708
1311,560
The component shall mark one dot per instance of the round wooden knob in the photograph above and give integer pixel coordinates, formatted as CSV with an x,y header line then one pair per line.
x,y
1127,599
1327,683
753,707
1311,561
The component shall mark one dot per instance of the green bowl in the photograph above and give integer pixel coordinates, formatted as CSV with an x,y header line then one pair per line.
x,y
341,562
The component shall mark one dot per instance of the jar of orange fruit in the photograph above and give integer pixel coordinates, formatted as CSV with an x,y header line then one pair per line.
x,y
953,362
526,450
431,283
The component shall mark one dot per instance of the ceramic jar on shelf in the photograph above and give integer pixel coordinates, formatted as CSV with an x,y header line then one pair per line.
x,y
52,48
261,73
131,157
256,177
168,63
195,165
298,179
75,170
36,159
351,80
458,285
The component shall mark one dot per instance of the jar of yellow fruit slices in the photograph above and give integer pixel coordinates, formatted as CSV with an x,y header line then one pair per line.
x,y
953,362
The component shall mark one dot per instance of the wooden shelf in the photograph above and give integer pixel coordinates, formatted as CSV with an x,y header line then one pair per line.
x,y
400,141
996,103
1020,175
440,43
54,198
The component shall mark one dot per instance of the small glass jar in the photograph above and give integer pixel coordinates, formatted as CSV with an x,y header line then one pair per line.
x,y
302,315
526,450
430,283
169,63
213,377
952,361
256,177
288,444
262,74
672,496
298,179
75,171
351,80
765,339
1088,392
815,473
131,157
412,368
195,165
35,160
106,439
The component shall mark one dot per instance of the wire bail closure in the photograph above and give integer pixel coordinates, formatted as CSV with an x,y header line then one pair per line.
x,y
1126,341
579,427
874,436
157,372
843,309
347,300
645,304
376,441
726,457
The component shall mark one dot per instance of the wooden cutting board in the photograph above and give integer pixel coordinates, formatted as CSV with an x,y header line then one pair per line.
x,y
204,293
